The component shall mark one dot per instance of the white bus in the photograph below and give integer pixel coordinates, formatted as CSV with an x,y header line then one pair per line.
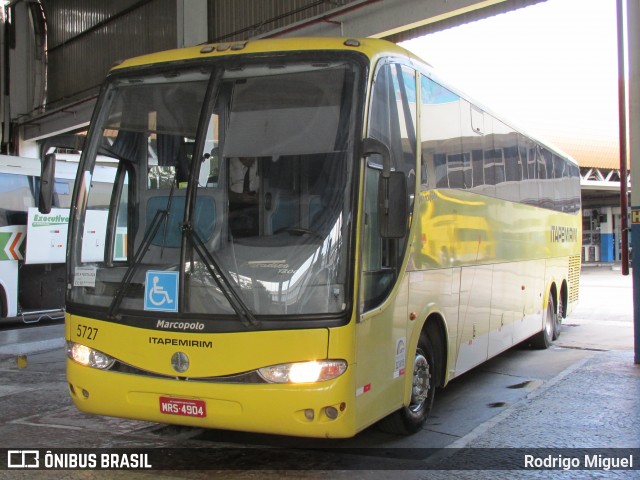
x,y
33,245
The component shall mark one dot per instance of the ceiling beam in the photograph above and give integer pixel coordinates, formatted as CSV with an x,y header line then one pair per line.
x,y
382,18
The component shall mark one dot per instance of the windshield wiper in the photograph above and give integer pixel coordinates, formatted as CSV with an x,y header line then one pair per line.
x,y
160,217
236,302
190,235
165,219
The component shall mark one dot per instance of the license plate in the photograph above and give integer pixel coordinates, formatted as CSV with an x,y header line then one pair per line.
x,y
183,406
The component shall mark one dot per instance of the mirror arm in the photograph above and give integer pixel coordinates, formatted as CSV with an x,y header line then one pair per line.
x,y
371,146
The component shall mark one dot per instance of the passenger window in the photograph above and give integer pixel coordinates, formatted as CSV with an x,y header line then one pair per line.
x,y
441,140
17,198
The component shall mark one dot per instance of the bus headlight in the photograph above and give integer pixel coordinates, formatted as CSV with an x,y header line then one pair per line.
x,y
304,372
88,356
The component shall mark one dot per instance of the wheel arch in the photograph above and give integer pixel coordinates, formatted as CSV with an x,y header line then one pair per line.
x,y
4,303
434,327
427,343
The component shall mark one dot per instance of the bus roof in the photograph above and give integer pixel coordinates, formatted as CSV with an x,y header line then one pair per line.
x,y
373,48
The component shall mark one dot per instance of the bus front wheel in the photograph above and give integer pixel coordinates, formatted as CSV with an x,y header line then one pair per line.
x,y
411,418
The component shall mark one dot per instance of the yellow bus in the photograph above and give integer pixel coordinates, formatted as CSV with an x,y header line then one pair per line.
x,y
319,233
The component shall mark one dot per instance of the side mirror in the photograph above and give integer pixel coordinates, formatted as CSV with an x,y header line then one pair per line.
x,y
392,192
392,205
47,182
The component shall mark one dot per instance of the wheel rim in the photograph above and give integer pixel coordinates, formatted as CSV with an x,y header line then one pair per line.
x,y
421,383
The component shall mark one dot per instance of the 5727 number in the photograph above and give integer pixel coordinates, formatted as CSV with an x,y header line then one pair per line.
x,y
83,331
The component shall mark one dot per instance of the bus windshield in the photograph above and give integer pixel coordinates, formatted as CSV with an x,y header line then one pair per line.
x,y
232,196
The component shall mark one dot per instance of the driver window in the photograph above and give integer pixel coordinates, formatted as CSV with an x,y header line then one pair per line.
x,y
392,121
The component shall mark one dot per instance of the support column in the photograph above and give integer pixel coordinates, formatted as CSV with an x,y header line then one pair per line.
x,y
633,32
192,17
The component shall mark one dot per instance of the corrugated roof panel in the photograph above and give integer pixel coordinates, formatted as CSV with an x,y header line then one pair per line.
x,y
68,18
87,36
244,19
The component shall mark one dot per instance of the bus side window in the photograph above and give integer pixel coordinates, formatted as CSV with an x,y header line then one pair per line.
x,y
442,140
62,193
17,198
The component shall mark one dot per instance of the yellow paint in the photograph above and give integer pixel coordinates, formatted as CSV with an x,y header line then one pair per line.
x,y
251,407
369,46
151,350
21,361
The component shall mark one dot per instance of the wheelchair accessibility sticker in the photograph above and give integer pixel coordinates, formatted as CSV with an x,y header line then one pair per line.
x,y
161,291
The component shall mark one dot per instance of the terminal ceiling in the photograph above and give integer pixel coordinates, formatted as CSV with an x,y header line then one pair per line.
x,y
60,50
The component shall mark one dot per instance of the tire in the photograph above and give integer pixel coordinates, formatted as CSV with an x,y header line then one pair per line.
x,y
3,304
542,340
411,418
557,324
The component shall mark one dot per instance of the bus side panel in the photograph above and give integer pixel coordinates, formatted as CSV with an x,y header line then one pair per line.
x,y
557,272
507,304
508,255
575,262
42,287
381,358
529,320
475,309
11,242
434,292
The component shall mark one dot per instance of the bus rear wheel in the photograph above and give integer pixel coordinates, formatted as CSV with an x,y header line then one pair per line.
x,y
543,339
411,418
557,324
